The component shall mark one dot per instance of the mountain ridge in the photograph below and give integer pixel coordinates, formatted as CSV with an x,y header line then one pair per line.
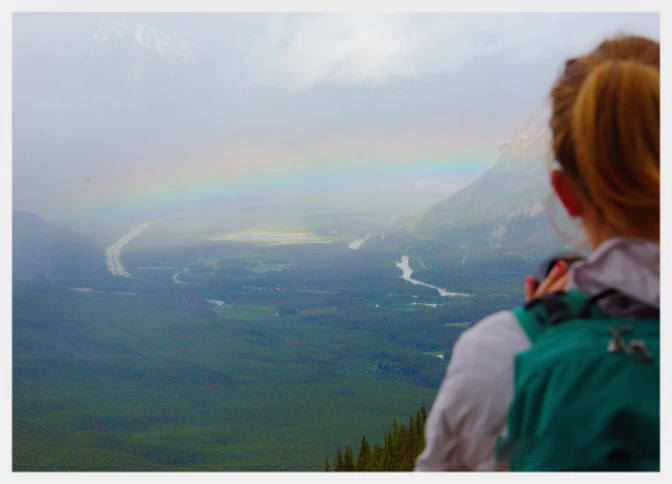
x,y
506,206
147,36
42,250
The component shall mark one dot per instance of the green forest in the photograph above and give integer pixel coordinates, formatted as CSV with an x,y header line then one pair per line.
x,y
264,358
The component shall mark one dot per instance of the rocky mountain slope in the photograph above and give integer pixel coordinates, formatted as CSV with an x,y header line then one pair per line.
x,y
506,206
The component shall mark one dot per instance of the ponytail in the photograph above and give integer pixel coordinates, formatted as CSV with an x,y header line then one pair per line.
x,y
606,132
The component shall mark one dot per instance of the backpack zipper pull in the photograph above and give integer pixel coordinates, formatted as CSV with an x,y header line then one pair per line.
x,y
637,348
617,343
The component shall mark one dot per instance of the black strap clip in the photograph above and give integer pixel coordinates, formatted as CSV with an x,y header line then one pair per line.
x,y
556,309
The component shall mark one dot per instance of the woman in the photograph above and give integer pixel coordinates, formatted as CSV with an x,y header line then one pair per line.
x,y
605,126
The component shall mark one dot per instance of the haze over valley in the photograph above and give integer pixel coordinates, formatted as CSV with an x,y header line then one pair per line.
x,y
242,241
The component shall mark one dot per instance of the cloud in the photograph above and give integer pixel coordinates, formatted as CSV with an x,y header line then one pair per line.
x,y
302,51
353,49
338,49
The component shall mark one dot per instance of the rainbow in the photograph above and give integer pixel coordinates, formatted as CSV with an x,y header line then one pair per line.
x,y
248,169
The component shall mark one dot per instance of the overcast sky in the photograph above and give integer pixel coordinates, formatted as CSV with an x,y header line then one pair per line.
x,y
110,106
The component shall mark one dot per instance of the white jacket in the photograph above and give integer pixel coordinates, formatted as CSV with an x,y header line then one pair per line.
x,y
470,409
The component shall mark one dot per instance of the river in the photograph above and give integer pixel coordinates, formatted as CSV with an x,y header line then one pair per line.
x,y
407,272
357,243
113,253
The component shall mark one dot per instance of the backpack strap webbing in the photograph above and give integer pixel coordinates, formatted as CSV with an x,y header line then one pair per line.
x,y
541,313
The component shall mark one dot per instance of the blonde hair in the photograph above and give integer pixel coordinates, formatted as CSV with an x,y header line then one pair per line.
x,y
606,132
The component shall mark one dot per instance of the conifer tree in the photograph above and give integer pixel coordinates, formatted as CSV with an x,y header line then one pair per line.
x,y
388,457
401,447
377,457
338,461
423,412
410,439
363,455
326,464
348,460
420,424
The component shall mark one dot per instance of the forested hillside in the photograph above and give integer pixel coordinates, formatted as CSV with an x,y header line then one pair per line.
x,y
401,446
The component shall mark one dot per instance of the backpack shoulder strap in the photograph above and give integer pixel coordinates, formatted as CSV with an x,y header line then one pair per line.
x,y
541,313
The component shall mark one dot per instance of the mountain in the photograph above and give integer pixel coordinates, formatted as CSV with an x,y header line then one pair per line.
x,y
42,250
505,207
147,36
111,85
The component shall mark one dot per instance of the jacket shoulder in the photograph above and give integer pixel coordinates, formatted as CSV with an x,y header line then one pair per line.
x,y
494,340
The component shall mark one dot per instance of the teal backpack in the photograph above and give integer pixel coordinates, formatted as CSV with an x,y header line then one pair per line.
x,y
587,392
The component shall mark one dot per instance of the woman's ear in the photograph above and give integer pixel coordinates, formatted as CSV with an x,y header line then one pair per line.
x,y
567,192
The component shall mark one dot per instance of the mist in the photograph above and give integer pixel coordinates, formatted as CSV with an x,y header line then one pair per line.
x,y
242,242
121,117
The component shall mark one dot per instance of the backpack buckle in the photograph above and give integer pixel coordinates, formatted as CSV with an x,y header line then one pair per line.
x,y
560,315
635,348
556,309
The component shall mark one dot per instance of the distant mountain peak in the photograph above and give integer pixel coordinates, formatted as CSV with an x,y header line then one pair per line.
x,y
148,37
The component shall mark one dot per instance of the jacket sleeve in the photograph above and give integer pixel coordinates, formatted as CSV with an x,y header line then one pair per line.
x,y
469,411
